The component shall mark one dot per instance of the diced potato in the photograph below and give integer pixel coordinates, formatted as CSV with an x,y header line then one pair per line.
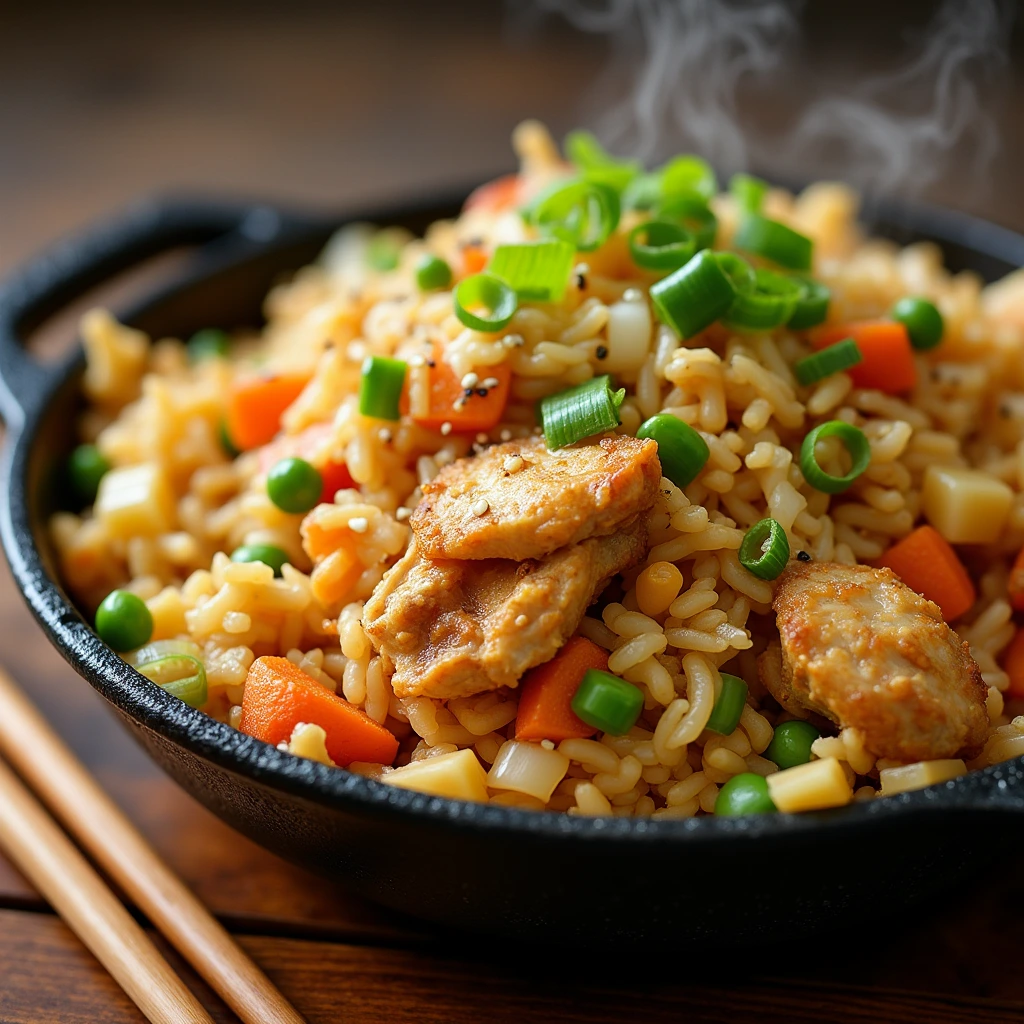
x,y
810,787
965,505
917,776
458,775
136,501
528,768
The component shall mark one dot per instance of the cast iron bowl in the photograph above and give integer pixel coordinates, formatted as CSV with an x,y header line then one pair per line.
x,y
492,869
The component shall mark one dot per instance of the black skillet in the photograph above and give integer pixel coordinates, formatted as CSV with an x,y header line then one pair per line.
x,y
547,877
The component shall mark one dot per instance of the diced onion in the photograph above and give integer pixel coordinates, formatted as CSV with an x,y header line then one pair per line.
x,y
527,768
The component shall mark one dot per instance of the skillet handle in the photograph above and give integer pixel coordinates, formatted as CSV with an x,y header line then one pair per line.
x,y
69,269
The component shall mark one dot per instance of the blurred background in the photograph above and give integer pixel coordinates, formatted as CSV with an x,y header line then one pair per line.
x,y
333,104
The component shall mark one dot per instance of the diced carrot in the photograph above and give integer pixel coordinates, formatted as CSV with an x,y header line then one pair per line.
x,y
925,561
255,406
1015,586
308,444
888,363
1013,665
474,259
279,695
546,693
497,195
449,402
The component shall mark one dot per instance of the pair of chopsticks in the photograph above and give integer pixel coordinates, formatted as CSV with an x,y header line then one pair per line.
x,y
56,867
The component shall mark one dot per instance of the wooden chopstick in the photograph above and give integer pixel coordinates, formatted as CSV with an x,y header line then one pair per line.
x,y
71,886
85,810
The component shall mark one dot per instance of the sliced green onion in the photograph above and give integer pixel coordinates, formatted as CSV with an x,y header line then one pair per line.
x,y
812,306
661,245
856,444
764,550
607,702
725,715
432,273
494,295
834,359
536,270
230,450
768,304
697,294
380,387
581,411
693,214
384,249
774,241
682,451
583,213
597,164
181,675
209,343
687,175
922,320
642,193
748,191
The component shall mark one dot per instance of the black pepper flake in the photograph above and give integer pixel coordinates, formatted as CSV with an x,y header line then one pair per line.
x,y
602,352
431,363
581,281
803,556
482,392
467,392
732,425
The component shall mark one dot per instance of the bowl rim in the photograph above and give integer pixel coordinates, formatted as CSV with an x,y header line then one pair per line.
x,y
145,705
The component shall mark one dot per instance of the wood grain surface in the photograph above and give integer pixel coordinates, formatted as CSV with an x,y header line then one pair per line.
x,y
331,104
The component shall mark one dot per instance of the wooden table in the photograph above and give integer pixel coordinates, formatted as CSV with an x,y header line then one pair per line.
x,y
331,106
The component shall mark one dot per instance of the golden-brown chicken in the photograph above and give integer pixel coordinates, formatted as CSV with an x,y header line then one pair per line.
x,y
520,500
864,650
455,628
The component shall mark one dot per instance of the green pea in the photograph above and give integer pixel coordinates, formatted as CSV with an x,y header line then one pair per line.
x,y
268,554
123,621
209,343
746,793
293,485
86,467
791,744
432,273
922,320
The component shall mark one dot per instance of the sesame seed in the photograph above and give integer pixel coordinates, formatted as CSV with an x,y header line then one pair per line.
x,y
467,392
632,295
359,524
480,506
581,268
506,435
513,463
491,382
521,620
384,434
459,404
403,513
470,380
547,744
513,340
446,428
481,438
417,360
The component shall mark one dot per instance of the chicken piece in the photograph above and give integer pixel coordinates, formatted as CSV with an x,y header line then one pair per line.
x,y
520,500
864,650
455,628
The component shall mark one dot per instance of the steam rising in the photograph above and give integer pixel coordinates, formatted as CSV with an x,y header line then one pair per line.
x,y
689,62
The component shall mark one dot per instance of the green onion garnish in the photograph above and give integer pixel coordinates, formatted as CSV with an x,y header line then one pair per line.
x,y
642,193
661,245
607,703
384,249
834,359
812,306
856,444
725,715
581,411
698,293
922,320
432,273
498,299
536,270
380,387
181,675
748,191
230,450
687,175
694,214
583,213
774,241
682,451
209,343
764,550
596,163
768,304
